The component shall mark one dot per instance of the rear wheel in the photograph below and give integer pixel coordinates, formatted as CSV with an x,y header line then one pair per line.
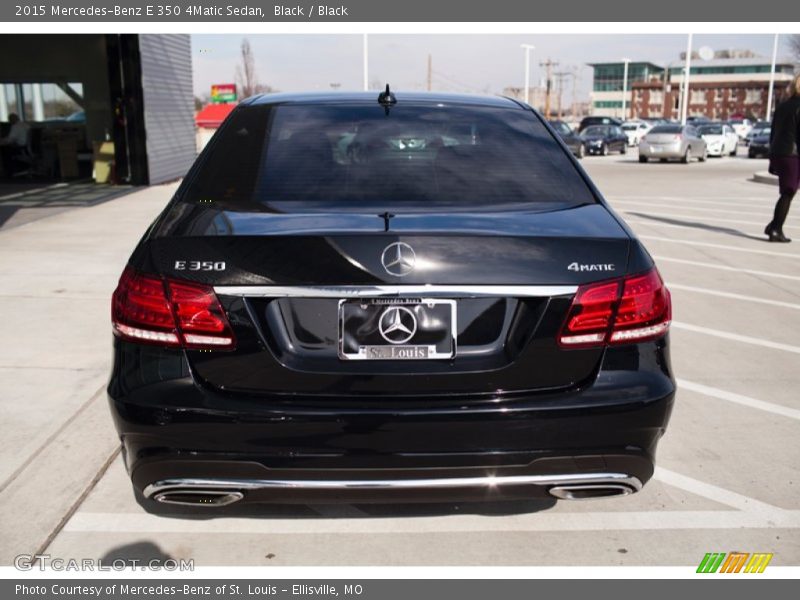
x,y
688,156
642,159
624,149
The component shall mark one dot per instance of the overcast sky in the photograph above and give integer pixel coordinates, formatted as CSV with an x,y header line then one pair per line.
x,y
461,63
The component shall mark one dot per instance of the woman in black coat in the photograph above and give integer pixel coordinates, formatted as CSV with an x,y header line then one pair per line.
x,y
784,158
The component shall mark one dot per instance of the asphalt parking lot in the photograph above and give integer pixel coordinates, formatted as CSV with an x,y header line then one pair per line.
x,y
728,472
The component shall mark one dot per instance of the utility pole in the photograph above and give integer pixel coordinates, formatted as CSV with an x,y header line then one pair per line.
x,y
560,77
574,92
430,72
548,64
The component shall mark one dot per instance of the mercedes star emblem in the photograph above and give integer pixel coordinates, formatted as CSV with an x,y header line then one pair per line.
x,y
397,325
398,259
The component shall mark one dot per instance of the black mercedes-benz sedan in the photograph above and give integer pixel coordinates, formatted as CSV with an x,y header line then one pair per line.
x,y
603,139
410,297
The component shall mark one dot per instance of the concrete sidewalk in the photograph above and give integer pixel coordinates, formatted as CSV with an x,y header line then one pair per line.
x,y
56,279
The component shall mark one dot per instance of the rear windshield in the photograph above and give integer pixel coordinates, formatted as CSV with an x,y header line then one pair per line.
x,y
666,129
354,158
710,129
597,130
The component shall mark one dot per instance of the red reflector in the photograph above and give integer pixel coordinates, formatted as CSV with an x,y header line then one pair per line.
x,y
145,308
625,310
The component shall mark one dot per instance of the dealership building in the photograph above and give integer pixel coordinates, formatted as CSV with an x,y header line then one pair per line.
x,y
109,107
730,84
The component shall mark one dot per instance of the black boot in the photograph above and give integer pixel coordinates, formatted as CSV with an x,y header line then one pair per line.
x,y
777,236
775,229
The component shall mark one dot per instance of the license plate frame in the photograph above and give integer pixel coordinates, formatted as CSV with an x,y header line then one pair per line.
x,y
443,349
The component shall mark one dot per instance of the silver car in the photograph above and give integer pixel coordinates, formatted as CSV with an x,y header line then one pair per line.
x,y
673,141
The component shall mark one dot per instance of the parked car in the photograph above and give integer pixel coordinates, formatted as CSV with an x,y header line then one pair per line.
x,y
720,139
635,130
757,130
741,126
603,139
589,121
759,145
570,138
285,331
666,142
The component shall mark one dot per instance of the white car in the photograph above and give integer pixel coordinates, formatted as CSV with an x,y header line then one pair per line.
x,y
635,131
741,126
721,139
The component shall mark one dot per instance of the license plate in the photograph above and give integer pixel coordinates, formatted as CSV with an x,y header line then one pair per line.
x,y
397,329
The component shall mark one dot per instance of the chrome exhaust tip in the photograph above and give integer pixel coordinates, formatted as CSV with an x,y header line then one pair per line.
x,y
198,497
590,491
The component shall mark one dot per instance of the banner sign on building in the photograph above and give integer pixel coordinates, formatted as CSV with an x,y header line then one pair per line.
x,y
223,93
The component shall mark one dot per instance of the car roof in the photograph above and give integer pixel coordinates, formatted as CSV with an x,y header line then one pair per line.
x,y
372,97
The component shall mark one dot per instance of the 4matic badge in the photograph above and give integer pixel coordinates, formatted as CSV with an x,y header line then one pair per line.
x,y
591,267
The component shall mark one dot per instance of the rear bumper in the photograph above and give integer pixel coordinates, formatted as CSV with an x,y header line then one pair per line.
x,y
669,152
177,434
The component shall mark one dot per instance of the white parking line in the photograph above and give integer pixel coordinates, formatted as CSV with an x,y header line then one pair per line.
x,y
693,197
733,296
697,263
765,214
707,244
712,220
692,202
716,493
137,523
713,392
736,337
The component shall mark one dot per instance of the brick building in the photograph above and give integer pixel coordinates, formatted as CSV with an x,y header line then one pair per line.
x,y
718,88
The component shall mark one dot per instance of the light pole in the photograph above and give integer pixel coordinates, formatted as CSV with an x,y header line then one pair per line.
x,y
528,48
685,102
625,86
768,116
366,63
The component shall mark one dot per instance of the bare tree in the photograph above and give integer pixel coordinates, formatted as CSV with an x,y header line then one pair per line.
x,y
246,78
246,71
794,46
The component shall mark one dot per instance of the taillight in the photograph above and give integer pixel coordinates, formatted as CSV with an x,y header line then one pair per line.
x,y
678,136
178,314
633,309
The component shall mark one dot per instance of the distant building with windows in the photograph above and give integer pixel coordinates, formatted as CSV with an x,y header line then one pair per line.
x,y
608,83
733,83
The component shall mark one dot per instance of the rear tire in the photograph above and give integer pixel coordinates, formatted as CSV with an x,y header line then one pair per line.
x,y
624,149
687,157
642,159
